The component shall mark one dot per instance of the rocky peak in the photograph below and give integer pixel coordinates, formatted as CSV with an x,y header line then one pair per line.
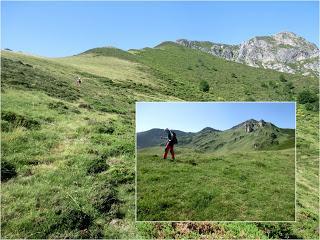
x,y
252,125
284,52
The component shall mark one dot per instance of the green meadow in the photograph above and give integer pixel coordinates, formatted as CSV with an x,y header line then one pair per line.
x,y
68,152
253,186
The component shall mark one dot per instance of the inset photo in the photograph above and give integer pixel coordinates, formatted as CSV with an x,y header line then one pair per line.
x,y
215,161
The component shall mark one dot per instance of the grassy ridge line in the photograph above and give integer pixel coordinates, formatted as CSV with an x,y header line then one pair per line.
x,y
227,80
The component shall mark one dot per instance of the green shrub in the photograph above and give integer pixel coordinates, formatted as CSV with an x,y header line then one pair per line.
x,y
22,76
282,78
289,85
97,166
85,105
250,99
75,219
277,230
58,106
306,96
104,129
204,86
18,120
264,85
273,136
5,126
8,171
312,106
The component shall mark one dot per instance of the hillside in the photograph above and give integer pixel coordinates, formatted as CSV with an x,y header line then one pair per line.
x,y
153,136
284,52
246,136
68,152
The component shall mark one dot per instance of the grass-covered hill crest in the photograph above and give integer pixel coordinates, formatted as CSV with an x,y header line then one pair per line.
x,y
248,135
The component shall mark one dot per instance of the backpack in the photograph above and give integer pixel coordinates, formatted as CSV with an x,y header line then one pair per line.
x,y
174,139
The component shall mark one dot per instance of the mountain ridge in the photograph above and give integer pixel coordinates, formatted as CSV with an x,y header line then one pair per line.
x,y
248,135
284,52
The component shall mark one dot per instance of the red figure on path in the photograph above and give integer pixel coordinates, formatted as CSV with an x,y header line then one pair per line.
x,y
172,139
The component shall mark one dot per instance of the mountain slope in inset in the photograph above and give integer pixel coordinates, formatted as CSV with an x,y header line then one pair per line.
x,y
246,136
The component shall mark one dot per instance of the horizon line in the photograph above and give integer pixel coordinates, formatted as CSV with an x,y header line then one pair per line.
x,y
159,43
214,128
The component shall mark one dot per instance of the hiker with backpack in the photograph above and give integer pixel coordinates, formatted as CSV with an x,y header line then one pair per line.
x,y
172,140
78,81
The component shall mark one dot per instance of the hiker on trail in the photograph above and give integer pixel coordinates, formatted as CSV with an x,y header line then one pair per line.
x,y
172,139
78,81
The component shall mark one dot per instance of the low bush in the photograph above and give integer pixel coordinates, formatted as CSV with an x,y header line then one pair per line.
x,y
97,165
204,86
310,99
306,96
8,171
282,78
104,128
85,105
17,120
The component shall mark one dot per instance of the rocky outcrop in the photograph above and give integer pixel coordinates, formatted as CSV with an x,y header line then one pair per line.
x,y
284,52
252,125
249,127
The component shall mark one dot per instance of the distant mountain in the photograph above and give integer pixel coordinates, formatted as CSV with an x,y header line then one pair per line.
x,y
153,136
284,52
246,136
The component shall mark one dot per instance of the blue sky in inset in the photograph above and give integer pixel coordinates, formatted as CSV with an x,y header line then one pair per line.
x,y
195,116
67,28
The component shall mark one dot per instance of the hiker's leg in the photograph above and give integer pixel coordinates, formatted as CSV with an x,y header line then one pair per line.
x,y
166,150
172,152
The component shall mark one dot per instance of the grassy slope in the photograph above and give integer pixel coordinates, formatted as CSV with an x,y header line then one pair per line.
x,y
57,195
184,69
235,140
201,186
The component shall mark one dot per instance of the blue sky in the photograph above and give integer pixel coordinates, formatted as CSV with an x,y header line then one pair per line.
x,y
195,116
65,28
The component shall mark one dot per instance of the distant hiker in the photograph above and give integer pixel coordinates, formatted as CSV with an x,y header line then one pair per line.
x,y
172,140
78,81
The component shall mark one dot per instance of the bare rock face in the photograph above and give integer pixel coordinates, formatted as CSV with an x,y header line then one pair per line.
x,y
262,123
252,125
284,52
249,127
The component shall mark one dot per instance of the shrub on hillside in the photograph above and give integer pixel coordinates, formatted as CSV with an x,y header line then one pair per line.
x,y
85,105
61,108
97,166
306,96
282,78
8,171
104,129
310,99
204,86
312,106
73,219
19,120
